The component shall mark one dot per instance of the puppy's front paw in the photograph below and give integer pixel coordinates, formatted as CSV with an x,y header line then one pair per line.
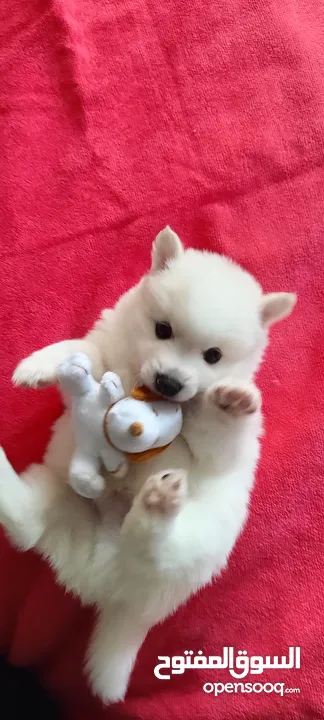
x,y
35,371
86,485
235,400
165,492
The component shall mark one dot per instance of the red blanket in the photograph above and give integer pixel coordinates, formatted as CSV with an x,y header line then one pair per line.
x,y
117,118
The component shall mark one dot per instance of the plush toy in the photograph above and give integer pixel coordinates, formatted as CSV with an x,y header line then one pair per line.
x,y
112,430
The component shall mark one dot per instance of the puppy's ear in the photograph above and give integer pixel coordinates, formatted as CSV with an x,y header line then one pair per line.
x,y
167,246
276,306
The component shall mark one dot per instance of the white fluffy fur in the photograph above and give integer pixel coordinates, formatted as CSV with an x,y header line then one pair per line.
x,y
138,559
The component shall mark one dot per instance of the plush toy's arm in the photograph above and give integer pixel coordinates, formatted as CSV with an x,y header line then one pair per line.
x,y
111,389
74,374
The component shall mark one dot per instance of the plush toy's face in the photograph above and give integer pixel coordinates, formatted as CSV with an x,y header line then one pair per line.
x,y
132,426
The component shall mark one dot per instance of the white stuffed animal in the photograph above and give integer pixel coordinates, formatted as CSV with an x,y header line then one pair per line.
x,y
112,430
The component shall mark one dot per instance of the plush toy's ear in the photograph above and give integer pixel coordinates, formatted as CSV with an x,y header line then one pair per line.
x,y
276,306
167,246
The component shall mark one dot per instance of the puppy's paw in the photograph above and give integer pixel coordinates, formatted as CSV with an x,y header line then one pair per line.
x,y
108,682
86,485
165,492
235,400
36,371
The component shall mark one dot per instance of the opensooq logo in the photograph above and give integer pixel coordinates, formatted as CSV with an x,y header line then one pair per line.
x,y
238,666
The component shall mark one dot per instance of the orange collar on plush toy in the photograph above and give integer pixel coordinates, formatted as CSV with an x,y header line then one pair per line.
x,y
146,395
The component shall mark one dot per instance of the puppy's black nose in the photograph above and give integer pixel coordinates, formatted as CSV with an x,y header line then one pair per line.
x,y
167,385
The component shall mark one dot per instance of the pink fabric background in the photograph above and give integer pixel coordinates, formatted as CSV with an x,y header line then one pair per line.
x,y
117,118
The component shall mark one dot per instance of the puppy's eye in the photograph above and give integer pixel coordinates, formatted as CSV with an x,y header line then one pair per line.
x,y
212,356
163,331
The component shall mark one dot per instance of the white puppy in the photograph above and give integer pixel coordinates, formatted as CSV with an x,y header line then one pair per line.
x,y
194,329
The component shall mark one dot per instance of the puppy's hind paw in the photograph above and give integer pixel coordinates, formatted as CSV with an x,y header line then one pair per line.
x,y
109,685
165,492
235,400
